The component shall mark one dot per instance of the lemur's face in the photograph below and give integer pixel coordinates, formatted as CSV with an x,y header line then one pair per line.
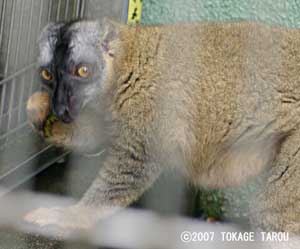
x,y
71,66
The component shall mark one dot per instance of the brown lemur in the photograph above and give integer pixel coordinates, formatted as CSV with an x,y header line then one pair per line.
x,y
214,101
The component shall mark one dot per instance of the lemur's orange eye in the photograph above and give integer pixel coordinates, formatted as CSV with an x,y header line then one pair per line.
x,y
83,71
46,75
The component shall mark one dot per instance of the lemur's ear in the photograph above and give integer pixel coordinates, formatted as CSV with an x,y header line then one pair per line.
x,y
109,33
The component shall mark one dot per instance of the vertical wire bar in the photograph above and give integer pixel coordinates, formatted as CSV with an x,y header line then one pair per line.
x,y
6,61
31,74
30,24
3,88
11,100
77,9
41,16
67,9
10,35
58,10
1,12
50,8
74,5
2,103
82,8
2,21
27,55
40,19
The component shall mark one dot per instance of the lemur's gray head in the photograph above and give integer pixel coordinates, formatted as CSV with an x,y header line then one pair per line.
x,y
72,64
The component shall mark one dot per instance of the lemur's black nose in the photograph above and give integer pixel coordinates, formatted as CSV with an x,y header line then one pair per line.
x,y
60,102
62,113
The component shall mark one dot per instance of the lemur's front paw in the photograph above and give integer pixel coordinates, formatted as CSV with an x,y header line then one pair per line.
x,y
38,110
68,218
46,124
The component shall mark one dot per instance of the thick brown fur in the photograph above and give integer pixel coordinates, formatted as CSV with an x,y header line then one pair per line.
x,y
217,101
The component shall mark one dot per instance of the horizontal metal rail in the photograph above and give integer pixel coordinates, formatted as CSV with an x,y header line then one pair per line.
x,y
131,228
14,75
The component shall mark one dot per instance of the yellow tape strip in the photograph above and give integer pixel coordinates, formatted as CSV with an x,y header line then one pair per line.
x,y
134,11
